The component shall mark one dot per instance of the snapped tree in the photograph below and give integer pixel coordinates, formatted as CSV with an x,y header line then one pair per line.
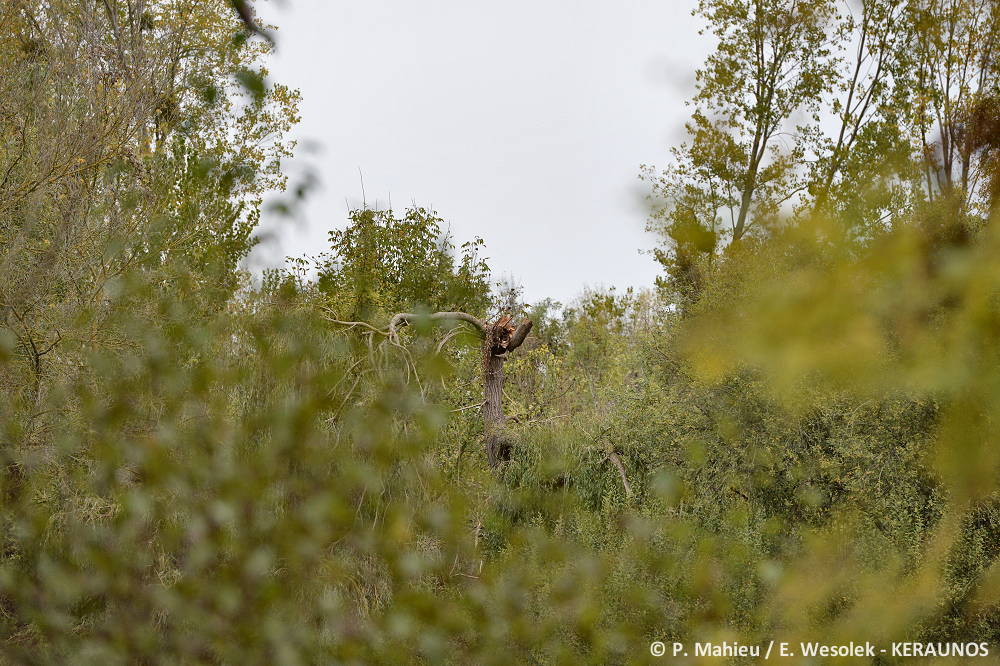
x,y
382,266
498,339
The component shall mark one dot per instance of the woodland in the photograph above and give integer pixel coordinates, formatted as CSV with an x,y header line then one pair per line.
x,y
383,455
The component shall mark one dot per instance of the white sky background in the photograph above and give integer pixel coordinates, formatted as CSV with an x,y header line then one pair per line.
x,y
523,122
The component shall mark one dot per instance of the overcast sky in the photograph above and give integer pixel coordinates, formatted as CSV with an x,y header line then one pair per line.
x,y
521,122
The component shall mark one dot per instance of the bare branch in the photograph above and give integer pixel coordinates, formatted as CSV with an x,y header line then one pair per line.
x,y
353,324
451,334
519,335
613,457
113,18
405,318
497,339
347,397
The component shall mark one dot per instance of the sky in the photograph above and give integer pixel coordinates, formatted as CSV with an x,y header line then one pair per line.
x,y
523,122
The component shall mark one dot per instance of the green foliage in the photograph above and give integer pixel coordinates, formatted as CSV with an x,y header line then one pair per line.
x,y
952,70
200,223
384,264
773,63
794,439
902,105
871,424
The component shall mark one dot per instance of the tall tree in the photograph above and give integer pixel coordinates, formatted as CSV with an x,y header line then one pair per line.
x,y
956,51
381,264
862,171
129,150
772,65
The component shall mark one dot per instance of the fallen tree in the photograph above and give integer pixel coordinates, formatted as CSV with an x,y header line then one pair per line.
x,y
498,339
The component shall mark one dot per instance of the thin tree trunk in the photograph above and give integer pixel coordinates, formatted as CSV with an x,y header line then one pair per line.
x,y
613,457
500,338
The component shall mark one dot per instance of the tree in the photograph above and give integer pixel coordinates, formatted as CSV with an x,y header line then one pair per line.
x,y
956,65
863,172
131,172
498,339
772,65
384,266
773,62
128,148
380,264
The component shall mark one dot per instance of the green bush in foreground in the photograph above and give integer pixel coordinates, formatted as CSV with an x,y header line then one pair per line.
x,y
795,440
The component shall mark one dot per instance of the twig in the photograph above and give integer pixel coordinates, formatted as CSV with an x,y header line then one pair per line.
x,y
551,418
475,547
451,334
409,363
347,397
352,324
346,375
462,409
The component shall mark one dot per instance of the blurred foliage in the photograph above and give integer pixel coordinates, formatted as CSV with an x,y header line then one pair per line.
x,y
195,469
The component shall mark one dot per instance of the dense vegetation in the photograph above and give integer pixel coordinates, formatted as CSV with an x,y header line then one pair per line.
x,y
792,438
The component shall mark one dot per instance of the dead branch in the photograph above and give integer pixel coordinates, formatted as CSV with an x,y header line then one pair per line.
x,y
519,334
451,334
405,318
346,375
613,457
353,324
498,338
551,418
346,397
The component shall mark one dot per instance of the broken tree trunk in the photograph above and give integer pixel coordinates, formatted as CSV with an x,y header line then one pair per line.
x,y
498,338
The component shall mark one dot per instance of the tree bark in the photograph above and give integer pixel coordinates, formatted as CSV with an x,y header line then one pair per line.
x,y
500,338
